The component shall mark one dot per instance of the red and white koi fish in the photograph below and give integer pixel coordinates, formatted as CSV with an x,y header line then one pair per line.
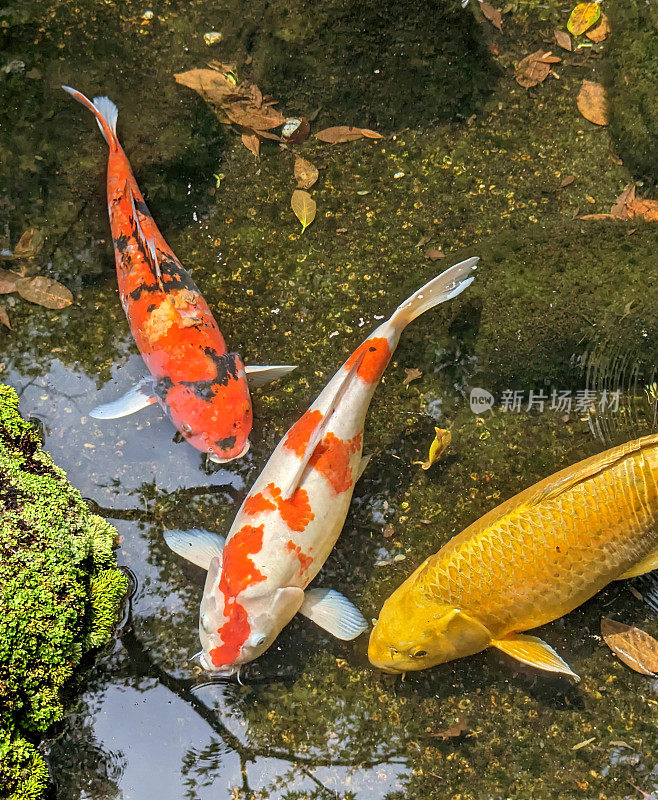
x,y
291,519
201,386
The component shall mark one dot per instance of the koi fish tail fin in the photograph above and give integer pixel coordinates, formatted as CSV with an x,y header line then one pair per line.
x,y
444,287
104,110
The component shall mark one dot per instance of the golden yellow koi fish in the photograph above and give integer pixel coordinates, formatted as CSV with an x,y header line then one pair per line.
x,y
531,560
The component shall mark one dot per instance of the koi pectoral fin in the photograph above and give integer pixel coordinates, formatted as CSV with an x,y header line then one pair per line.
x,y
648,564
535,652
259,376
135,399
334,613
197,545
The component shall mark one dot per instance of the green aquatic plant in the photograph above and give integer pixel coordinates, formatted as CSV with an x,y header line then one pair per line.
x,y
60,593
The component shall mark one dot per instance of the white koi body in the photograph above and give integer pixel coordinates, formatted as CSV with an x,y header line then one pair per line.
x,y
295,511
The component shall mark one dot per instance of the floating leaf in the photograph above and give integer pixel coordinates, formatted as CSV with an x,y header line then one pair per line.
x,y
44,292
601,31
493,15
306,174
583,17
633,646
4,318
412,374
433,254
29,244
346,133
592,102
304,207
252,142
8,281
438,447
535,68
563,40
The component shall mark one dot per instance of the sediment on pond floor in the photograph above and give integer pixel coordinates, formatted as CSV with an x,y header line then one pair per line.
x,y
60,594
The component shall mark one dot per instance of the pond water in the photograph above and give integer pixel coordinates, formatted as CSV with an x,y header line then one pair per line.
x,y
472,165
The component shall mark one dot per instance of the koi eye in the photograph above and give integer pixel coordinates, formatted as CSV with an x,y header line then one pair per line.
x,y
257,641
419,654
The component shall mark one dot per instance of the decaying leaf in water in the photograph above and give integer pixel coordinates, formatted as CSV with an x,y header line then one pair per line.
x,y
8,281
535,68
563,40
29,244
457,728
592,102
44,292
646,209
304,207
346,133
249,116
567,181
583,17
412,374
306,174
252,142
211,84
493,15
433,254
601,31
633,646
4,318
621,207
438,447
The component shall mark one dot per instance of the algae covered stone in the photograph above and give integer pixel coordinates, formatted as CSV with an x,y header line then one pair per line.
x,y
60,593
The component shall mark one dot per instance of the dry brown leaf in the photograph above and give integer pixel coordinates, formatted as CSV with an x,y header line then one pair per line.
x,y
388,530
563,40
535,68
29,244
4,318
633,646
596,216
433,254
8,281
601,31
567,181
583,17
212,85
646,209
371,134
412,374
306,174
339,134
252,142
44,292
592,102
620,209
451,732
304,207
493,15
247,115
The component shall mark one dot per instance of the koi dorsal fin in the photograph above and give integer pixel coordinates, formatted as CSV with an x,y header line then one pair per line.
x,y
148,244
318,433
558,484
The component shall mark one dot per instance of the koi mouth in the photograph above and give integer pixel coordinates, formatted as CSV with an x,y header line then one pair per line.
x,y
219,460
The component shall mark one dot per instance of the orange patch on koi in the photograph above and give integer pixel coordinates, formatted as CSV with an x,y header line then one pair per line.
x,y
295,510
258,503
238,570
301,431
377,354
332,459
234,634
304,560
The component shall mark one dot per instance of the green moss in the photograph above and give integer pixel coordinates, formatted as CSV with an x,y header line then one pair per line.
x,y
59,595
632,78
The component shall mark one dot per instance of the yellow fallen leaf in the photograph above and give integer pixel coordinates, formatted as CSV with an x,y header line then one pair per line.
x,y
583,17
304,207
438,447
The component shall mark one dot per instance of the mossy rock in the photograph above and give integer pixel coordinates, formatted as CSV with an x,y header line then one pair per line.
x,y
60,593
633,81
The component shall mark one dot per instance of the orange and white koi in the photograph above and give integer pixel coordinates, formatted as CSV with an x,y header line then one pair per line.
x,y
201,386
294,513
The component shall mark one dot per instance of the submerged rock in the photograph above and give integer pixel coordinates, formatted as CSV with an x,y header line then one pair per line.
x,y
60,593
